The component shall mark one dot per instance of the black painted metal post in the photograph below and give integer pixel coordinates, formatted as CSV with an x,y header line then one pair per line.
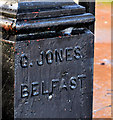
x,y
90,7
48,57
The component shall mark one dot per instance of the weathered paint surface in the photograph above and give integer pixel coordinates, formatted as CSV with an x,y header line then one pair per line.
x,y
53,64
49,87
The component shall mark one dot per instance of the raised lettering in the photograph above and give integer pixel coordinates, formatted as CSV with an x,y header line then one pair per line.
x,y
53,85
77,51
81,77
68,54
24,61
41,59
42,88
63,84
34,89
73,83
49,57
58,55
24,91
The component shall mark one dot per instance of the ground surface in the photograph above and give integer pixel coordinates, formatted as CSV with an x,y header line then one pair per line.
x,y
102,81
102,62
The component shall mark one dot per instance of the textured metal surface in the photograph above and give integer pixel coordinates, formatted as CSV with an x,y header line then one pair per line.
x,y
48,57
48,10
33,17
54,77
90,8
34,25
